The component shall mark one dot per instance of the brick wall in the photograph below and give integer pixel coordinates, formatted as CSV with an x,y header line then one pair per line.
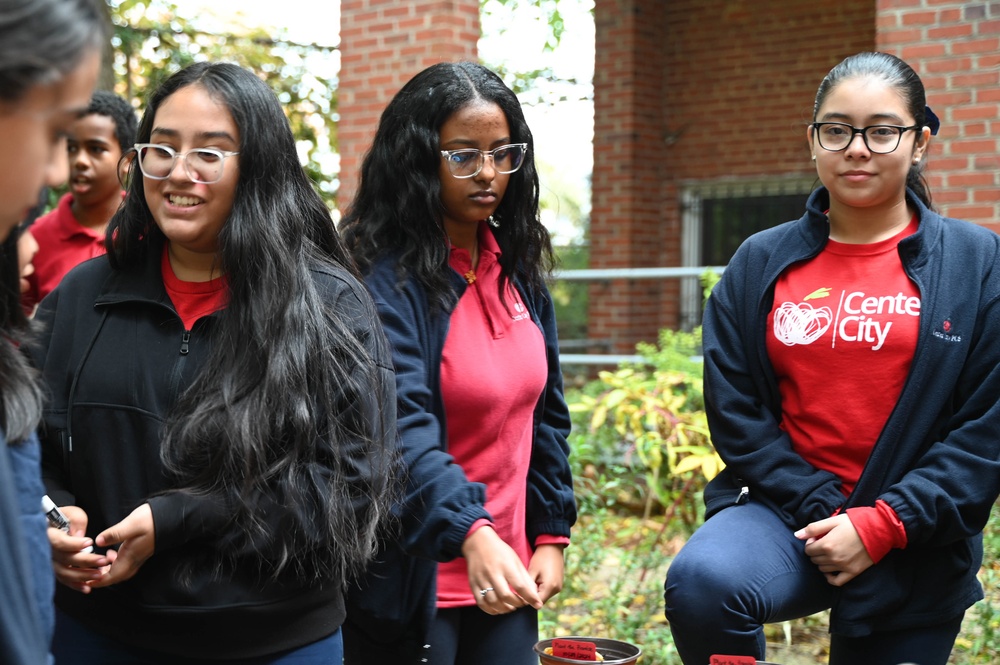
x,y
689,91
383,43
955,48
626,221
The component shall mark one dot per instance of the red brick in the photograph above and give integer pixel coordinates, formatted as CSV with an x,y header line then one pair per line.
x,y
959,31
973,212
986,195
974,179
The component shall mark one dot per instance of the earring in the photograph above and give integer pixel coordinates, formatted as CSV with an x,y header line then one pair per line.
x,y
916,160
493,222
814,158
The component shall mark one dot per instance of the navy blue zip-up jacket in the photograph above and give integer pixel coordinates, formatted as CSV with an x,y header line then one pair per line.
x,y
937,460
115,357
397,599
26,614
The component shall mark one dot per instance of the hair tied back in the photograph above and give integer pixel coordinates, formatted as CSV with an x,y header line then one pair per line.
x,y
932,120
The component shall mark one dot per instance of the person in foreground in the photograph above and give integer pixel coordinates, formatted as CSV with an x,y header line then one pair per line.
x,y
852,369
49,61
445,228
222,410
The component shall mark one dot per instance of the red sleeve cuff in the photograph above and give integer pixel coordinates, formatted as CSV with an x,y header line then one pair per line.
x,y
551,540
879,528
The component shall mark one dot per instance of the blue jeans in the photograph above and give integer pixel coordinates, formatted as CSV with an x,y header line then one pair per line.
x,y
743,568
75,644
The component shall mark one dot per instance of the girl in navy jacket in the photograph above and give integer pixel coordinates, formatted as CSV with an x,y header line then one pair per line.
x,y
482,419
852,369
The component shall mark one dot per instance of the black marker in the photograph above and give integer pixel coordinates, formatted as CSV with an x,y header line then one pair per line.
x,y
57,519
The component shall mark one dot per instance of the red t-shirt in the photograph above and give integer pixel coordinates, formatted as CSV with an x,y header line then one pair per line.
x,y
843,330
493,371
192,300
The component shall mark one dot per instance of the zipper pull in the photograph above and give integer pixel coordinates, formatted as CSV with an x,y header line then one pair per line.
x,y
185,338
744,496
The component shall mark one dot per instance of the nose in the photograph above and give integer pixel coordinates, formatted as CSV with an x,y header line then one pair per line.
x,y
57,168
179,169
857,145
489,170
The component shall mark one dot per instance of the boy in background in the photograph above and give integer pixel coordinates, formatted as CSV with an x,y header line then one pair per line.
x,y
74,231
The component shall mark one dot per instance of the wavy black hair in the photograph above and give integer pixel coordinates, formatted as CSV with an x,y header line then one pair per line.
x,y
276,407
397,208
41,41
907,83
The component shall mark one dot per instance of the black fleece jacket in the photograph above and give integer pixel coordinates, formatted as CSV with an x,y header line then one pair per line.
x,y
115,357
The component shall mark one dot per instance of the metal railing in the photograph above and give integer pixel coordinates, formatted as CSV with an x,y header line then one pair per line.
x,y
607,274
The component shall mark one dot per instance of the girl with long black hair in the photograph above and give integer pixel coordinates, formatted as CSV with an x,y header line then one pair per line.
x,y
222,421
445,228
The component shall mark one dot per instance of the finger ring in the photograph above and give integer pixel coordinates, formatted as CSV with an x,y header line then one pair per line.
x,y
483,592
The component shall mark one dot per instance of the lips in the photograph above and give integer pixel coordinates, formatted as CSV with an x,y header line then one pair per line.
x,y
80,185
857,176
484,196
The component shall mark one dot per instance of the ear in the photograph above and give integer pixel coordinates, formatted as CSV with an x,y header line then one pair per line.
x,y
922,143
810,131
124,163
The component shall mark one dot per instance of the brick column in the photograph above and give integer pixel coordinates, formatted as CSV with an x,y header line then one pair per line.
x,y
955,48
383,43
627,229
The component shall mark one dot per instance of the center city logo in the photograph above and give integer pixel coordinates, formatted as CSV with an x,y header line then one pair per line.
x,y
854,321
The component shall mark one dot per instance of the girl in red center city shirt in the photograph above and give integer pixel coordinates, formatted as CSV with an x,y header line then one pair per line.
x,y
851,374
445,227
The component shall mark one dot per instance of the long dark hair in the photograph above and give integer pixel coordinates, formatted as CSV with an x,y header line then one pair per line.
x,y
901,76
277,403
40,42
398,203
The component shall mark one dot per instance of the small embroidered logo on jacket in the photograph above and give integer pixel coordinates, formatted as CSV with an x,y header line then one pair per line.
x,y
946,333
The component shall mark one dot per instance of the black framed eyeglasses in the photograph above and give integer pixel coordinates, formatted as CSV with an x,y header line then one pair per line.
x,y
468,162
879,139
203,165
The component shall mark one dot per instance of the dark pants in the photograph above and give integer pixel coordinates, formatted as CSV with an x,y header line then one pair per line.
x,y
743,568
469,636
458,636
75,644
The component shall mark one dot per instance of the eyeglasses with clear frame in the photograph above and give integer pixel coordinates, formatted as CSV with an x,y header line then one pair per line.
x,y
879,139
468,162
202,165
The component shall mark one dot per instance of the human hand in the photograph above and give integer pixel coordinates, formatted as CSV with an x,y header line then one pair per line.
x,y
27,247
73,567
495,567
136,536
835,547
547,568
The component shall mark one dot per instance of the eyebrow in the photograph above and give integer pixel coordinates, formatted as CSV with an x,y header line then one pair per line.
x,y
843,117
173,133
469,143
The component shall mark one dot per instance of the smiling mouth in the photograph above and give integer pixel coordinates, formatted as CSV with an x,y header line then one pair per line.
x,y
183,201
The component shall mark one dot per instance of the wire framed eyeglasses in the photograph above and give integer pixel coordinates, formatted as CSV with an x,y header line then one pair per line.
x,y
879,139
202,165
468,162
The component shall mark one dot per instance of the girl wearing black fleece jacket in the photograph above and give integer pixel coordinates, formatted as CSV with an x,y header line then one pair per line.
x,y
222,413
